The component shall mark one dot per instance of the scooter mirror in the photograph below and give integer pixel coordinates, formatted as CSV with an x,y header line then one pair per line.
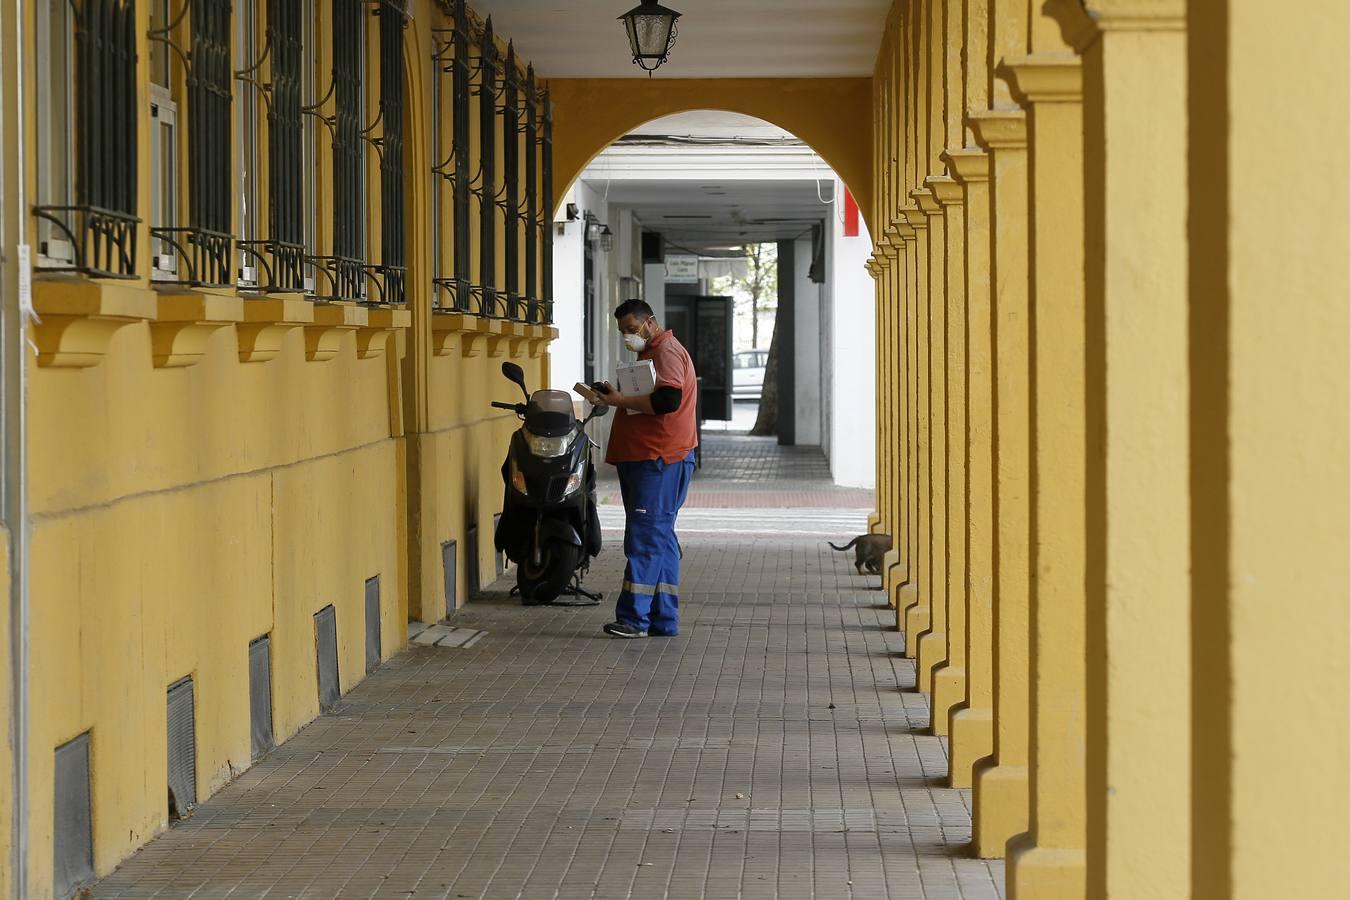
x,y
516,374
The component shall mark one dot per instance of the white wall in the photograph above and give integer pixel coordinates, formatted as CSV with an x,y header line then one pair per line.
x,y
806,341
565,354
654,288
852,378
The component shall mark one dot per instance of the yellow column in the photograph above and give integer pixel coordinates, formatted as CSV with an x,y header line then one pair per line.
x,y
1050,860
949,684
897,571
1138,579
884,399
972,718
1001,788
931,640
1269,481
915,591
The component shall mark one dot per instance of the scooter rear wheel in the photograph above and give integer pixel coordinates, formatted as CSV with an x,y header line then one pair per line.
x,y
542,584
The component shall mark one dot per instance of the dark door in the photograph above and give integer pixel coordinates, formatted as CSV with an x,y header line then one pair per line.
x,y
703,325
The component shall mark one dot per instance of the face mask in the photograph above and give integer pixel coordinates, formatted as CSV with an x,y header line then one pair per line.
x,y
635,342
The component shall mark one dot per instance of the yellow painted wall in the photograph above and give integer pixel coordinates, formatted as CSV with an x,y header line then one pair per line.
x,y
180,512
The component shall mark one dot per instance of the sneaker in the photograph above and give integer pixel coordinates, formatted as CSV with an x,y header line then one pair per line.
x,y
623,630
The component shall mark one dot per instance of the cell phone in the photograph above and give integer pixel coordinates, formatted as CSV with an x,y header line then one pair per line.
x,y
601,388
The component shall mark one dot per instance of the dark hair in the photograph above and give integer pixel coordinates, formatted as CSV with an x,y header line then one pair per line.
x,y
634,307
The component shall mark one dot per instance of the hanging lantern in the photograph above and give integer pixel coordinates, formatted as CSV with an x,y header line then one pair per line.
x,y
606,239
651,33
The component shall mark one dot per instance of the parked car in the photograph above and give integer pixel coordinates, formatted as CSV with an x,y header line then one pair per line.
x,y
747,374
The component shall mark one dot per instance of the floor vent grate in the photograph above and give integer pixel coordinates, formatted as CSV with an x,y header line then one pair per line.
x,y
471,557
450,571
372,624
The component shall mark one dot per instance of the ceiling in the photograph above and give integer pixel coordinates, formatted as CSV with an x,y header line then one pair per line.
x,y
717,38
723,214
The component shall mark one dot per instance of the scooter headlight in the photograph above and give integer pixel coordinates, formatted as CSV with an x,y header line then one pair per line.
x,y
518,480
548,446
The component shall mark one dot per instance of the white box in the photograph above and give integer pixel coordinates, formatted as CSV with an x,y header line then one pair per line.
x,y
636,379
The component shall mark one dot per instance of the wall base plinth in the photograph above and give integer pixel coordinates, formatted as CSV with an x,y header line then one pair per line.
x,y
907,598
1045,873
949,689
1002,798
971,740
932,653
917,618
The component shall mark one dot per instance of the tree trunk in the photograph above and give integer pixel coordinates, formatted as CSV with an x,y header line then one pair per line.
x,y
766,423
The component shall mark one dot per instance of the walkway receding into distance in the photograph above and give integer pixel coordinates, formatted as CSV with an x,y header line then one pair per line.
x,y
773,749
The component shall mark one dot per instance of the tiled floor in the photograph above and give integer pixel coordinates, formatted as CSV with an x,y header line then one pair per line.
x,y
773,749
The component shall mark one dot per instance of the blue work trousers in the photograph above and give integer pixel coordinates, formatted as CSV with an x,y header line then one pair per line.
x,y
653,492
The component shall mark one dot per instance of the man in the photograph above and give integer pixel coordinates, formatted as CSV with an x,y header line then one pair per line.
x,y
653,449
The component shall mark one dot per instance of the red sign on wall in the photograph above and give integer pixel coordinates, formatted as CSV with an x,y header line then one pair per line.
x,y
850,214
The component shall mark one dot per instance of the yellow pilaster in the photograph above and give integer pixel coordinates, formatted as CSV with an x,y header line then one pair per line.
x,y
949,678
931,643
1050,860
972,720
1001,787
914,603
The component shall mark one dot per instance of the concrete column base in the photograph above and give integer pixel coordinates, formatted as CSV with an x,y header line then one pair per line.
x,y
932,653
972,739
913,615
949,690
1045,873
1002,796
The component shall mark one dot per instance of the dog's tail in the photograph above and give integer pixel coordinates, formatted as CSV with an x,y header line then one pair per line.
x,y
846,546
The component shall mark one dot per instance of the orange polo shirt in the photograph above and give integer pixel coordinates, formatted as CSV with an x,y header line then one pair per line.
x,y
638,437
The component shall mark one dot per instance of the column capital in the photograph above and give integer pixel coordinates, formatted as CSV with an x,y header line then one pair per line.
x,y
872,268
1044,77
928,204
890,252
906,233
969,165
893,236
915,218
999,129
945,190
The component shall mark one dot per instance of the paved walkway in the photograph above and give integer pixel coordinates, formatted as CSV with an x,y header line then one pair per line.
x,y
773,749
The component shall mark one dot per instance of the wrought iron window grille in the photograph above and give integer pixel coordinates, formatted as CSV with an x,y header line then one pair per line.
x,y
392,271
279,257
546,152
451,60
100,226
204,246
484,186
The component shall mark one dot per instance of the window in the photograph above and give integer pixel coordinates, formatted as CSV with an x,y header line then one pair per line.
x,y
203,248
56,128
487,169
511,180
346,272
274,260
393,244
452,87
86,136
546,220
247,189
309,56
163,146
531,198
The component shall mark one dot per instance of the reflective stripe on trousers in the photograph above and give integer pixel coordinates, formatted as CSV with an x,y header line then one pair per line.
x,y
653,492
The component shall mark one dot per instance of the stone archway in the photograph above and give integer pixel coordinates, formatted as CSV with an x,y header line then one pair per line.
x,y
832,115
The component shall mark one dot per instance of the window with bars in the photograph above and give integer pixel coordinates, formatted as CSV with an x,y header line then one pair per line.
x,y
200,252
486,191
531,198
248,62
393,268
546,220
510,123
453,91
275,261
86,123
345,270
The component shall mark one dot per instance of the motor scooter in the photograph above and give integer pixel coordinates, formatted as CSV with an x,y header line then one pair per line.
x,y
549,525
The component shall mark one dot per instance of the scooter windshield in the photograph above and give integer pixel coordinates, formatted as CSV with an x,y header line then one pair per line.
x,y
549,413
